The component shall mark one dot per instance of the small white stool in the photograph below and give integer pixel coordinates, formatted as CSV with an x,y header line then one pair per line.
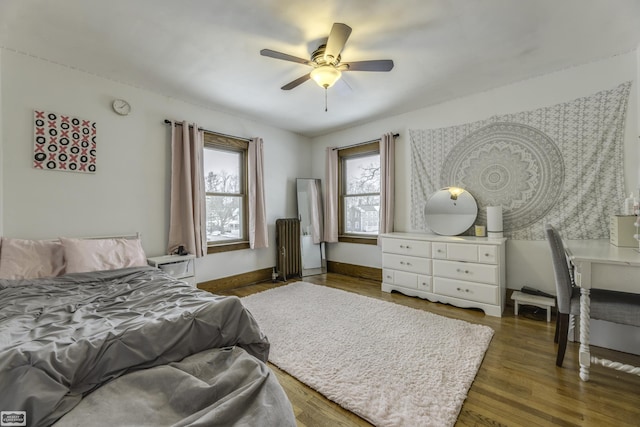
x,y
535,300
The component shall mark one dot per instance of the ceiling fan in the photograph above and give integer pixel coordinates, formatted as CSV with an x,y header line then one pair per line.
x,y
325,60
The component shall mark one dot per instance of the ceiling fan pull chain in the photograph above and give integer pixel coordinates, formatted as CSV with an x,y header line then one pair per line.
x,y
325,99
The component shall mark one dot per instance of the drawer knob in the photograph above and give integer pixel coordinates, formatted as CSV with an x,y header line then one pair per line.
x,y
486,254
459,270
401,246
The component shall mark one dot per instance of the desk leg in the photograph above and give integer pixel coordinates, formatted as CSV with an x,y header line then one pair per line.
x,y
585,317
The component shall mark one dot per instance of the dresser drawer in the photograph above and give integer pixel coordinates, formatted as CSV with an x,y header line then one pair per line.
x,y
425,283
476,292
408,280
484,273
487,254
402,278
439,250
462,252
387,275
407,263
406,247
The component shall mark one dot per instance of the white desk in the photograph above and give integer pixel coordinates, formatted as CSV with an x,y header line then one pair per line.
x,y
601,265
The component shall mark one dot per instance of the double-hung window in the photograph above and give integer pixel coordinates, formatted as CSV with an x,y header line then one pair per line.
x,y
225,181
359,200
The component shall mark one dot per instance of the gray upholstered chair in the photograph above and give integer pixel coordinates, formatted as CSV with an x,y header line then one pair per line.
x,y
617,307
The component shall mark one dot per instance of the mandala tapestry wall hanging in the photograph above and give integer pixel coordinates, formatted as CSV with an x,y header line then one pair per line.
x,y
63,143
561,164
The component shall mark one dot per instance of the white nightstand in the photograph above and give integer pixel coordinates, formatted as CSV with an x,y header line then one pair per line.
x,y
181,267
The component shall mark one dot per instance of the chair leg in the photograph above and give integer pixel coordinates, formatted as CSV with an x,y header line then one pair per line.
x,y
555,337
562,330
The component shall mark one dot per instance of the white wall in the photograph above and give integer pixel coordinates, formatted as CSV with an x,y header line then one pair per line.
x,y
638,109
130,191
1,152
524,258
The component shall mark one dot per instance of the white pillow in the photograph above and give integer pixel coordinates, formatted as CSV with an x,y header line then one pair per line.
x,y
30,259
84,255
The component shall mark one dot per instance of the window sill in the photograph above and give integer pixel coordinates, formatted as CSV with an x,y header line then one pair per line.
x,y
227,247
360,240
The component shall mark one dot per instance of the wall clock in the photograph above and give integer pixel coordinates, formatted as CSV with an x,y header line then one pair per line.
x,y
121,107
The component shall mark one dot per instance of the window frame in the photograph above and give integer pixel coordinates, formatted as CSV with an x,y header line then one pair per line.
x,y
226,143
344,154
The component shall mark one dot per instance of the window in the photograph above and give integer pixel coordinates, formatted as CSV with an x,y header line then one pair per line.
x,y
225,182
359,202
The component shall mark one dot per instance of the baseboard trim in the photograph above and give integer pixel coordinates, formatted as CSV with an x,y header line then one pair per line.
x,y
237,281
353,270
264,275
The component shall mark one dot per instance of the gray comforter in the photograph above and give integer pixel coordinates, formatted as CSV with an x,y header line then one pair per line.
x,y
64,337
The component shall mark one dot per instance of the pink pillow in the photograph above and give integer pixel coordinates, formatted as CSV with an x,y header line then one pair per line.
x,y
30,259
84,255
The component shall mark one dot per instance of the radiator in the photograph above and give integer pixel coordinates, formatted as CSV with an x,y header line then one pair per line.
x,y
288,243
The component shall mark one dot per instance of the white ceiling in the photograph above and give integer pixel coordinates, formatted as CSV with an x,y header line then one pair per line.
x,y
206,52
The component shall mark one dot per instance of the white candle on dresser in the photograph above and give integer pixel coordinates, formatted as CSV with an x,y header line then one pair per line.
x,y
494,221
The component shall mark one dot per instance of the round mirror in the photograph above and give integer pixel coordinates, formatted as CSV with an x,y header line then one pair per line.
x,y
450,211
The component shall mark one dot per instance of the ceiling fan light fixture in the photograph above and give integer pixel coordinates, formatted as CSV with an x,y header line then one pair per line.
x,y
326,60
325,75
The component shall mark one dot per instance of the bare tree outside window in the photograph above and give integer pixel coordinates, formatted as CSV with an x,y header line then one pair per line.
x,y
362,194
224,196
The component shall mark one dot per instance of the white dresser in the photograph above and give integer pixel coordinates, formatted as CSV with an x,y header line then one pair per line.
x,y
459,270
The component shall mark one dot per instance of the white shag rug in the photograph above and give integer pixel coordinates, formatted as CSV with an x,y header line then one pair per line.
x,y
390,364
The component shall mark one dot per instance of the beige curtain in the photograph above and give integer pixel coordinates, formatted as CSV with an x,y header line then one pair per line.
x,y
331,196
387,183
258,235
187,215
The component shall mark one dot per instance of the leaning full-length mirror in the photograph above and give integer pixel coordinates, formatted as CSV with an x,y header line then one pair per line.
x,y
311,226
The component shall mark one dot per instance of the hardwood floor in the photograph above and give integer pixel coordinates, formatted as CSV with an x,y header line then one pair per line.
x,y
518,383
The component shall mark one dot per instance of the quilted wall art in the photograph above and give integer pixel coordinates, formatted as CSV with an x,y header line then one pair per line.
x,y
561,164
63,143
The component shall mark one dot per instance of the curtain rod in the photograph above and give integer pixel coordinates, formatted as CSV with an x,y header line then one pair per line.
x,y
168,122
395,135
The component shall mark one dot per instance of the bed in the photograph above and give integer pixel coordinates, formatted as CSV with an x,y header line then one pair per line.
x,y
104,339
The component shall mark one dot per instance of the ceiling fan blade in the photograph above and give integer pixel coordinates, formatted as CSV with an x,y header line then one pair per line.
x,y
297,82
375,65
336,41
279,55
